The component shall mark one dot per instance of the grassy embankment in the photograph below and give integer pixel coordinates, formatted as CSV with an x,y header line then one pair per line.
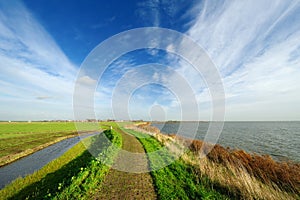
x,y
19,139
234,173
241,175
74,175
177,180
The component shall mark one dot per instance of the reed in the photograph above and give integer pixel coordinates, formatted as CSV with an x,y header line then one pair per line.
x,y
238,173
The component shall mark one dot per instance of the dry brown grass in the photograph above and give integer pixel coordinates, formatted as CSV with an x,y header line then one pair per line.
x,y
243,175
285,175
146,126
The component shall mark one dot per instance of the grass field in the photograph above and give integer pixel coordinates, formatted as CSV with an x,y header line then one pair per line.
x,y
74,175
18,139
15,128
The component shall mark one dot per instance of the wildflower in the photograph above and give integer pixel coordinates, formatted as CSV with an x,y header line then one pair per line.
x,y
59,186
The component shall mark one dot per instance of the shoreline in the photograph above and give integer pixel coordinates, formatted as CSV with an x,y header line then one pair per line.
x,y
262,138
234,169
285,159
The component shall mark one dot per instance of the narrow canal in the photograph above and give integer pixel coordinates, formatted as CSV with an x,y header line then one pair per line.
x,y
37,160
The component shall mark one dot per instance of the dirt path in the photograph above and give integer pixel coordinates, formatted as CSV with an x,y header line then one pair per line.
x,y
125,185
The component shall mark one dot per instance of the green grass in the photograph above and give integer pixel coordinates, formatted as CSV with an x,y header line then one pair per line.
x,y
177,180
89,180
16,128
18,137
74,175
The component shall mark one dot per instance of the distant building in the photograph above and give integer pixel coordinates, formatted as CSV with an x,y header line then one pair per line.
x,y
91,120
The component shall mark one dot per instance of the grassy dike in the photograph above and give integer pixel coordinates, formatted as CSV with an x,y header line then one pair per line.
x,y
74,175
222,174
233,172
177,180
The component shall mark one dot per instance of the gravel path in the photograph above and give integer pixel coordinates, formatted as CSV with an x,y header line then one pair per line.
x,y
126,185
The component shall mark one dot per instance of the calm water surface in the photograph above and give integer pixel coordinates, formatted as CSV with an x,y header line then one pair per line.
x,y
37,160
281,140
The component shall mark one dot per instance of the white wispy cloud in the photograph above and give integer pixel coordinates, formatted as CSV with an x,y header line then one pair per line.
x,y
32,66
255,46
149,12
158,12
241,29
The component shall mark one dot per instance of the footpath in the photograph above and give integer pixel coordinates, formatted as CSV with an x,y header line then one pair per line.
x,y
127,185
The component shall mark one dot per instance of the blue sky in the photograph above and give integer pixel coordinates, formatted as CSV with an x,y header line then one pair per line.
x,y
254,44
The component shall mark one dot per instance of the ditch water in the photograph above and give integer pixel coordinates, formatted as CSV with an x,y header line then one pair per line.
x,y
281,140
37,160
